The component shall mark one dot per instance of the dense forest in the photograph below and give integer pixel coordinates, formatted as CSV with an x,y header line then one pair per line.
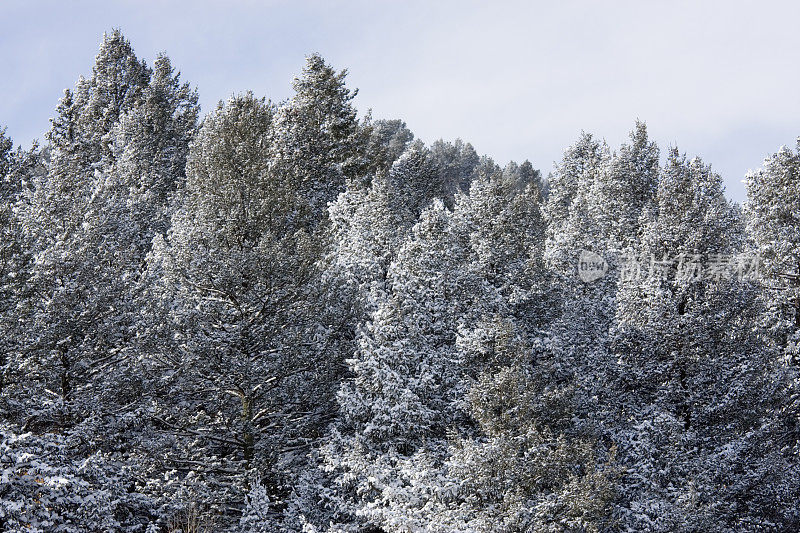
x,y
281,317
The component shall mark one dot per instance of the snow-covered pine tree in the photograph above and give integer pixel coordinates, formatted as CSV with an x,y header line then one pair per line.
x,y
69,338
456,163
318,144
250,373
367,226
528,467
10,255
397,462
502,214
623,190
596,198
209,354
113,157
773,223
577,171
524,465
589,180
697,391
401,398
17,169
150,145
48,487
388,140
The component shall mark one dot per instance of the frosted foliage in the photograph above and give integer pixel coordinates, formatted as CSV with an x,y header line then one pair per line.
x,y
289,317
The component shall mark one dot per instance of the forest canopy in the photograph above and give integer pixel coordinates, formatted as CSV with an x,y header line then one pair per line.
x,y
284,317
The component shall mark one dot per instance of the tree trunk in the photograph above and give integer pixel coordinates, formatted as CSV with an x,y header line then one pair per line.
x,y
248,438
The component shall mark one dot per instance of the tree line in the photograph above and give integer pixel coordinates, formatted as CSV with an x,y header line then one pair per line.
x,y
284,317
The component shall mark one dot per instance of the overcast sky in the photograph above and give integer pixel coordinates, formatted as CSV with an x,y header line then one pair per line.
x,y
519,80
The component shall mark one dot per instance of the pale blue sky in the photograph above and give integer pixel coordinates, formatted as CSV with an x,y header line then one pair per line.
x,y
519,80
